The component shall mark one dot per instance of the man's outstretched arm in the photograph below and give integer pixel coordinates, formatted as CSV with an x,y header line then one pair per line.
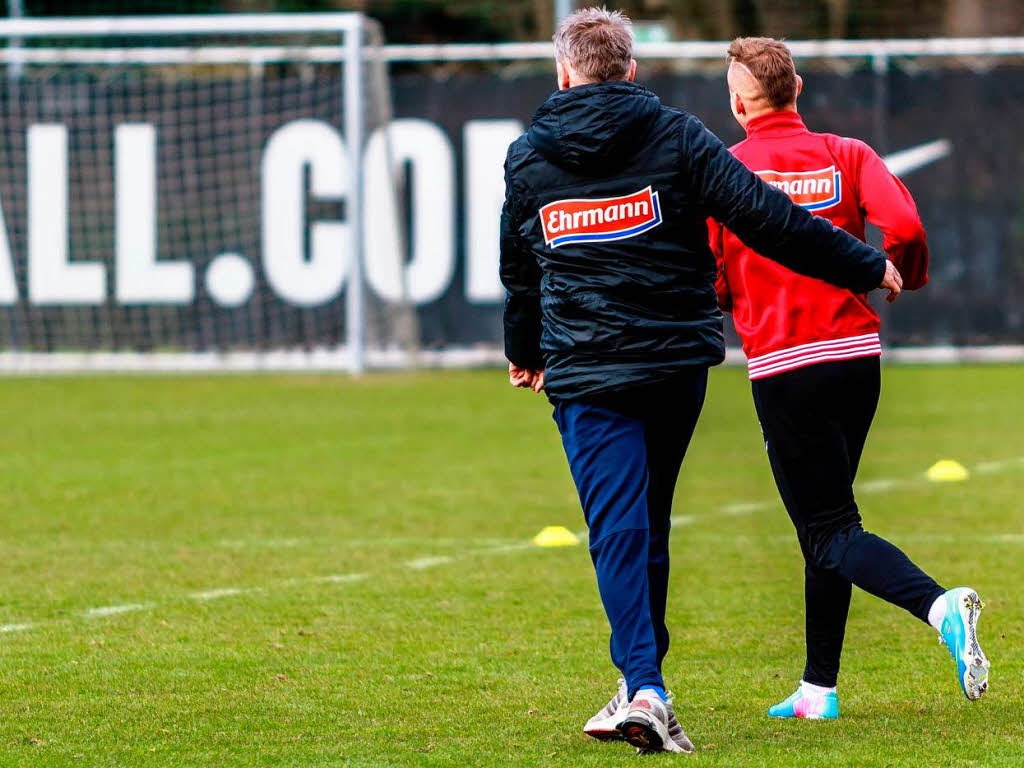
x,y
889,206
767,221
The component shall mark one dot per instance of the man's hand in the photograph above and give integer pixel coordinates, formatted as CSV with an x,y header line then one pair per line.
x,y
893,281
525,377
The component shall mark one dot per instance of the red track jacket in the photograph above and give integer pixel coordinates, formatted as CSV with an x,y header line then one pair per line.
x,y
786,320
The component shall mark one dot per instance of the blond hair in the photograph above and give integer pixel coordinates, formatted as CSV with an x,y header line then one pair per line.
x,y
597,43
770,63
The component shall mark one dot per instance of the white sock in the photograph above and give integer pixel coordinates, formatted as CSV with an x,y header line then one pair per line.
x,y
810,689
937,612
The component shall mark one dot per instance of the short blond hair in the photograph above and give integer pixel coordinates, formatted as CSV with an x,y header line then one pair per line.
x,y
597,43
771,64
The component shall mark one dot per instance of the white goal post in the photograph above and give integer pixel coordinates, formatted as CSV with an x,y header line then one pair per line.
x,y
127,284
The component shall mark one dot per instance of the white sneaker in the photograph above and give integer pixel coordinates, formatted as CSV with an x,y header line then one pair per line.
x,y
605,724
650,725
679,740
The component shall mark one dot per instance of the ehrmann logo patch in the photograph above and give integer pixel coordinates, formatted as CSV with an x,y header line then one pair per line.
x,y
814,190
600,220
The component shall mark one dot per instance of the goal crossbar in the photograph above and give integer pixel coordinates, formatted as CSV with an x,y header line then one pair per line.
x,y
221,54
211,24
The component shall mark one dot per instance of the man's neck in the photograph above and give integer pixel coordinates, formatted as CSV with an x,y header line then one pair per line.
x,y
752,117
577,83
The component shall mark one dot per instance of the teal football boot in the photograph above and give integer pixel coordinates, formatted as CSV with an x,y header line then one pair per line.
x,y
808,706
959,633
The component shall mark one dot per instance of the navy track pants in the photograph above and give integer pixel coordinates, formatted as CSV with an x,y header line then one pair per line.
x,y
625,450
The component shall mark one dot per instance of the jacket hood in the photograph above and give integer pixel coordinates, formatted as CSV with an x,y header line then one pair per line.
x,y
593,127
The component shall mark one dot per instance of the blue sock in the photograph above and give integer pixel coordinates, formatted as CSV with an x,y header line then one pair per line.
x,y
658,690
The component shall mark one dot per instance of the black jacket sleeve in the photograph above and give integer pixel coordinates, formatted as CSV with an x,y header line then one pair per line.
x,y
520,274
766,220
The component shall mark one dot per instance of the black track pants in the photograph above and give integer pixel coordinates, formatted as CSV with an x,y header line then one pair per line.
x,y
815,421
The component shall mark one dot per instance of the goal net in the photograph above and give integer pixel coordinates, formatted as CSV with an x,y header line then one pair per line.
x,y
208,192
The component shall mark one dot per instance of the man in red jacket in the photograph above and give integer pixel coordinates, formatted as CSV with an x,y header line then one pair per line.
x,y
813,355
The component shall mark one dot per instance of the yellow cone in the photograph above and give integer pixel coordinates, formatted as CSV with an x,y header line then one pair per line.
x,y
947,471
556,536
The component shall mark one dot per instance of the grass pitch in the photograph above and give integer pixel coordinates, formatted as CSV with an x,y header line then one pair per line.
x,y
316,571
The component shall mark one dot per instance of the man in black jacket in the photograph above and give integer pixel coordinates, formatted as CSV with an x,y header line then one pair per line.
x,y
611,308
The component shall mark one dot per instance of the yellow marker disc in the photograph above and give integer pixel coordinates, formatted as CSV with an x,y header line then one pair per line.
x,y
947,471
556,536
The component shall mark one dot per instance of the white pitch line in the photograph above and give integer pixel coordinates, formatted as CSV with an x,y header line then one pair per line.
x,y
1006,538
877,486
519,547
420,563
337,578
263,543
223,592
432,561
990,467
114,610
213,594
746,507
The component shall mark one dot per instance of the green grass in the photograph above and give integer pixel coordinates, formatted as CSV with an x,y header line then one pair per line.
x,y
145,491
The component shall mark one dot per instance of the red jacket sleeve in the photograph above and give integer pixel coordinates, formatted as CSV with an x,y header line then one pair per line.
x,y
889,206
715,236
